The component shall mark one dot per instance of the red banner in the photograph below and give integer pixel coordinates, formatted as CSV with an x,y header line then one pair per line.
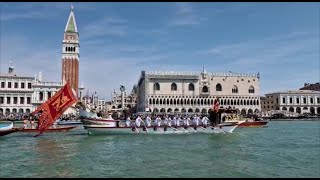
x,y
52,109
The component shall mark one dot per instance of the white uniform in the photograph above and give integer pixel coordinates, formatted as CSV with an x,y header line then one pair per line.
x,y
138,121
178,121
128,121
148,121
174,121
204,121
186,121
169,122
165,121
195,121
157,121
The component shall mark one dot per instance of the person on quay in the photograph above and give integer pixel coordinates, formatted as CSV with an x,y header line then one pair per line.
x,y
25,123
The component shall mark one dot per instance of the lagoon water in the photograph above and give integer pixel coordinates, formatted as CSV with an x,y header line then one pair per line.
x,y
283,149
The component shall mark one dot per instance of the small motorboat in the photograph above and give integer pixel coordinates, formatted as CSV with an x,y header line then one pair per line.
x,y
6,127
69,122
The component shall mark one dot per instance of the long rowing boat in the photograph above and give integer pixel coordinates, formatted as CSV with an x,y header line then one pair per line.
x,y
51,129
114,130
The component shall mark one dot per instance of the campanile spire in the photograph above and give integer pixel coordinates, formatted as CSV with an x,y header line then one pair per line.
x,y
70,52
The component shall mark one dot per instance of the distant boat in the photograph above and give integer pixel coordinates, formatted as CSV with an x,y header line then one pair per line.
x,y
68,122
7,129
231,116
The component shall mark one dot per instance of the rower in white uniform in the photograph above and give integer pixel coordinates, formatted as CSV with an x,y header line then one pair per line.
x,y
169,121
157,122
166,121
178,121
148,121
186,122
128,121
138,121
195,121
204,121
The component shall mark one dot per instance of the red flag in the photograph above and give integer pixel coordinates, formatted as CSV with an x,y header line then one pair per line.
x,y
54,107
216,105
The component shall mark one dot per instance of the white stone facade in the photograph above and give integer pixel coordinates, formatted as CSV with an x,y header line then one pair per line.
x,y
15,94
297,101
179,92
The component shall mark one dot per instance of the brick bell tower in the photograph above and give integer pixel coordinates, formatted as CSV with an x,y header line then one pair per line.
x,y
70,53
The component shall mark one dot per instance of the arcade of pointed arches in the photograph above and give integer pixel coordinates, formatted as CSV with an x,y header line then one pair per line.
x,y
312,110
200,101
8,111
243,111
156,87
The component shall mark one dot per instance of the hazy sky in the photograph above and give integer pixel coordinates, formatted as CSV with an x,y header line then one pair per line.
x,y
118,40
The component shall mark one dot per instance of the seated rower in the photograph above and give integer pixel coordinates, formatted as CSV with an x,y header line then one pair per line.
x,y
128,121
169,121
138,121
148,121
204,121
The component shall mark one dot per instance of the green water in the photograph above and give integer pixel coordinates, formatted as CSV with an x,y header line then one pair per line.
x,y
284,149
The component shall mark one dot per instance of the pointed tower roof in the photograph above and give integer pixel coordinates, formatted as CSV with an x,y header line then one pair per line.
x,y
71,25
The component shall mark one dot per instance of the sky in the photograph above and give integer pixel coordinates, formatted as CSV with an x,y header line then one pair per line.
x,y
119,40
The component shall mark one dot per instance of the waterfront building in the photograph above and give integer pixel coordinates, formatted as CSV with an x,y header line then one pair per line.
x,y
15,93
295,101
123,101
70,53
178,92
21,94
314,87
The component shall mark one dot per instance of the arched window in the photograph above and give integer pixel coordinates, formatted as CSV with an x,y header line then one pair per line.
x,y
173,87
251,89
66,48
49,95
191,87
235,89
156,87
205,89
218,87
41,96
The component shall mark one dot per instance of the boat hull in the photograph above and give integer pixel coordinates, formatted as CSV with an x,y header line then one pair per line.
x,y
6,128
6,132
105,122
62,123
100,129
57,129
254,124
